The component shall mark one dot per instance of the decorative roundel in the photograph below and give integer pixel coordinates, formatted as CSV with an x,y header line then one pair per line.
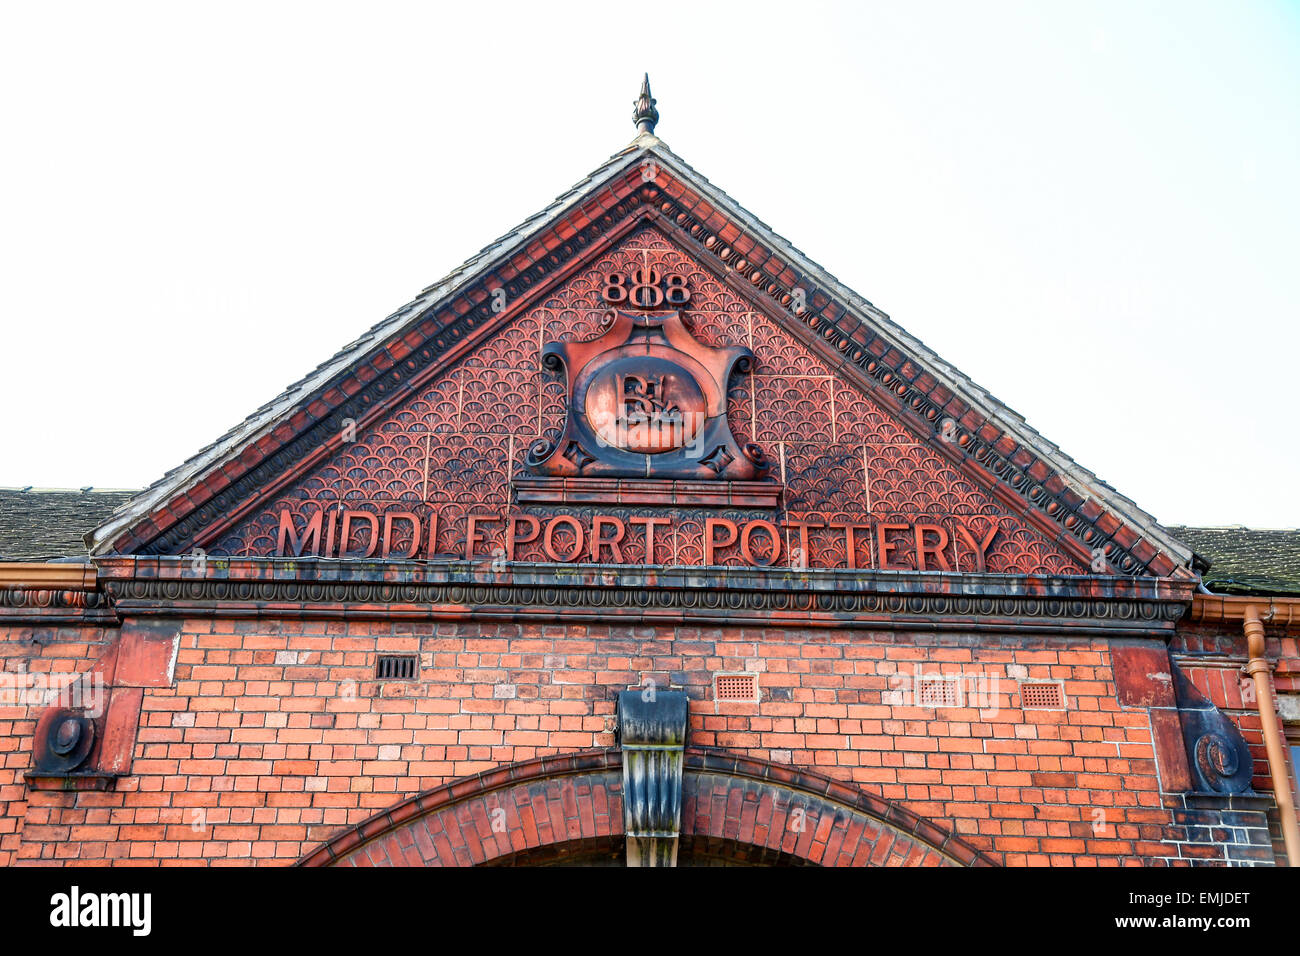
x,y
646,399
645,405
65,741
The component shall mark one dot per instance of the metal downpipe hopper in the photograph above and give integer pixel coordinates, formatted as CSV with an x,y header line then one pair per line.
x,y
652,735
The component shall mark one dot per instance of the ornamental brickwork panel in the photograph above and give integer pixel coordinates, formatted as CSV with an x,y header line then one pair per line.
x,y
846,484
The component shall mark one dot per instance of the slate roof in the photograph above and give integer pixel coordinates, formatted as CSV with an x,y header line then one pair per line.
x,y
44,524
1246,560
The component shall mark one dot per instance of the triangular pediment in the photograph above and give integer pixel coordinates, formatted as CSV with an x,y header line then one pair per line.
x,y
883,456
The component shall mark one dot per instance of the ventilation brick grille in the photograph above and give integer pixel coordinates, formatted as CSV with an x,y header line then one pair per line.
x,y
396,667
938,692
735,687
1044,695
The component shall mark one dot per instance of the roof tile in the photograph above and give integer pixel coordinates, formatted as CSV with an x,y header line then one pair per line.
x,y
1245,560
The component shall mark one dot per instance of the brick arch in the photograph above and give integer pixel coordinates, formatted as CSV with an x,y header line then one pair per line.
x,y
610,851
569,807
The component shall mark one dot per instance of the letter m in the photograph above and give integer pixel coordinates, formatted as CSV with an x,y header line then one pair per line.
x,y
118,905
288,537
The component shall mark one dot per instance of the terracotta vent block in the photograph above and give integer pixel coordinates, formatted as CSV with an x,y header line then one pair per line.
x,y
736,687
1042,695
938,692
396,667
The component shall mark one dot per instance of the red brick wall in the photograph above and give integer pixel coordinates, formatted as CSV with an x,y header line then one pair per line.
x,y
258,753
52,654
1212,657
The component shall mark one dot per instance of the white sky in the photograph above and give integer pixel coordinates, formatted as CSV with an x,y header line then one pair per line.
x,y
1091,209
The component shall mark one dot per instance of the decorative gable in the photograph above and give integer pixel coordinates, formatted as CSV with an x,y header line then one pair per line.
x,y
442,475
472,424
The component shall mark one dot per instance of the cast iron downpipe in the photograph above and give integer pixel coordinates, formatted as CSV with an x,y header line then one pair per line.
x,y
1258,668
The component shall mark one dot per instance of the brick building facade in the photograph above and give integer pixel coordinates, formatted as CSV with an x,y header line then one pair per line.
x,y
638,538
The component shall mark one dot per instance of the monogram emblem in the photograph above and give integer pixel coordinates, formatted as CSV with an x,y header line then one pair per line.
x,y
645,404
646,399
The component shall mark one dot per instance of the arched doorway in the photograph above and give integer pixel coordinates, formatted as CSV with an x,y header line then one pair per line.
x,y
567,810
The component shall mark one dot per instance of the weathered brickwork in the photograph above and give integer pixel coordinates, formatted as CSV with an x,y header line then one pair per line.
x,y
276,735
1212,658
1221,829
34,660
561,809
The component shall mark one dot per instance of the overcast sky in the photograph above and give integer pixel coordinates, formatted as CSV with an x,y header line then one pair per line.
x,y
1091,209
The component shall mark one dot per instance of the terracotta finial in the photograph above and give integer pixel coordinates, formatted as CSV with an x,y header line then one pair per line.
x,y
646,116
